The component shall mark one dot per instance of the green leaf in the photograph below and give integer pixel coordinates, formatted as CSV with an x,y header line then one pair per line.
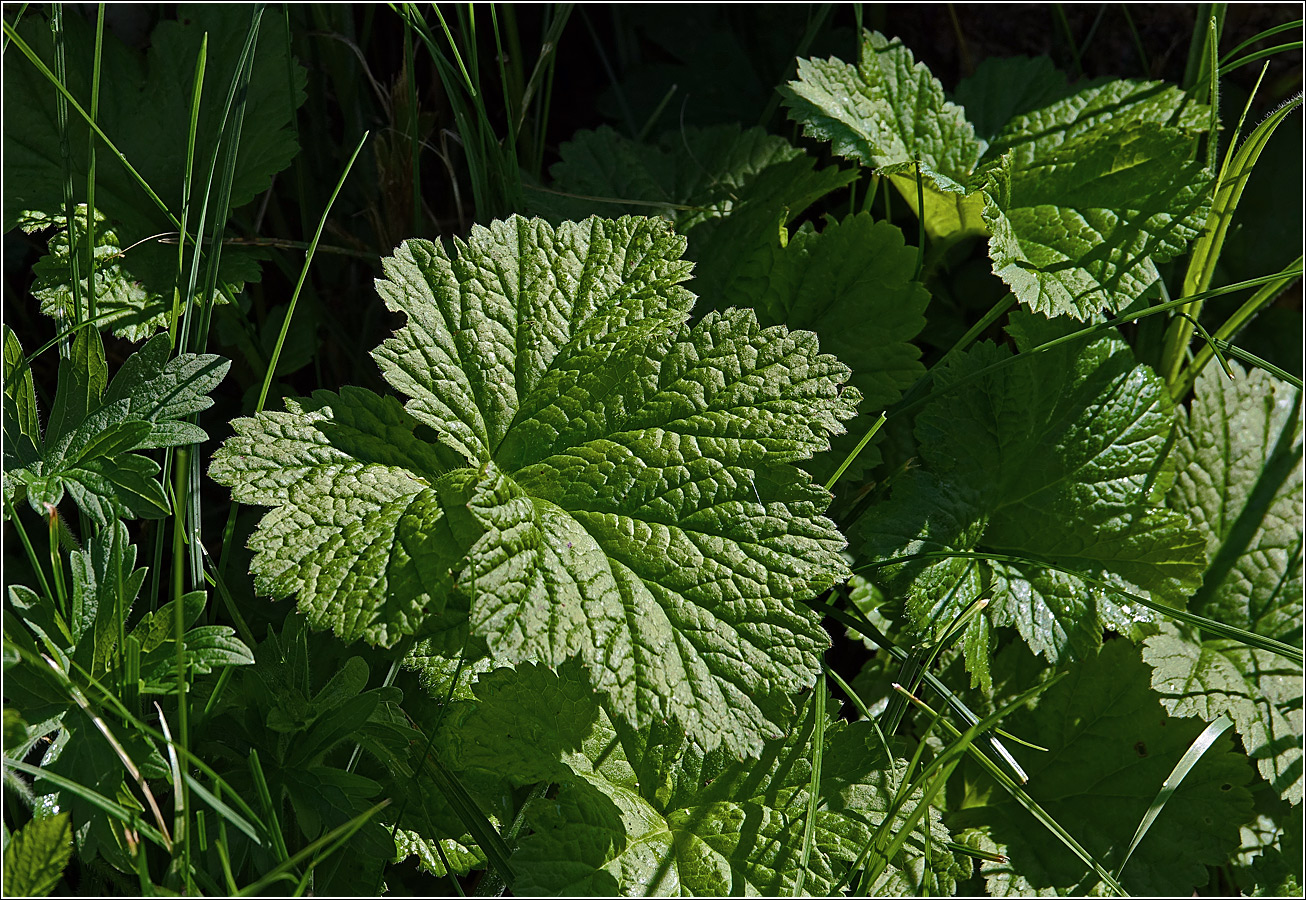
x,y
885,112
207,646
851,283
36,856
1081,226
15,733
1116,107
463,855
889,113
22,424
729,190
93,428
1277,870
1257,690
1053,459
122,303
106,583
1240,482
651,812
1110,745
82,379
147,116
584,470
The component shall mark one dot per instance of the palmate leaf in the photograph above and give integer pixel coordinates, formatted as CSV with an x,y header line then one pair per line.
x,y
95,424
1081,196
1110,746
649,812
1054,458
577,472
1240,482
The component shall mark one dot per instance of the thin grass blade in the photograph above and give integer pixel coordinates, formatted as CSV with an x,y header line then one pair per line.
x,y
1176,778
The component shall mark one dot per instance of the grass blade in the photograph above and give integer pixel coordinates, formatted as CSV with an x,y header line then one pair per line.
x,y
865,628
1247,638
487,837
1235,171
303,274
1176,778
1044,818
228,814
1264,295
129,817
814,787
320,849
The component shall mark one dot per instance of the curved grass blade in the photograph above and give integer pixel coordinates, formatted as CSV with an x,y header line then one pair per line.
x,y
1176,778
865,628
128,817
303,275
1235,171
1038,812
1264,295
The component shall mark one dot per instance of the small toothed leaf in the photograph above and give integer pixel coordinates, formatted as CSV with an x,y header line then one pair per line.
x,y
94,427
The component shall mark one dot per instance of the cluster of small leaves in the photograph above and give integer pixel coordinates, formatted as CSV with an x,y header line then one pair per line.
x,y
95,425
91,647
1080,194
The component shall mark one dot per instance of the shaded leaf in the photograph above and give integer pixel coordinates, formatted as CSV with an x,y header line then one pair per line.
x,y
1110,746
1053,458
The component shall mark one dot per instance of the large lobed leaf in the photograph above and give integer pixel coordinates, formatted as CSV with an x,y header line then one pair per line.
x,y
649,812
576,472
1050,459
1240,482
